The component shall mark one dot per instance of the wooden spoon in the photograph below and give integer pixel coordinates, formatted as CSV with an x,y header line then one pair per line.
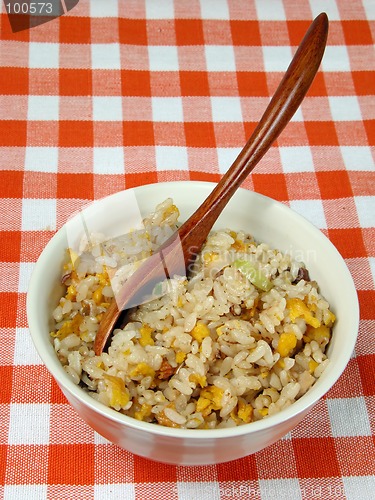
x,y
184,245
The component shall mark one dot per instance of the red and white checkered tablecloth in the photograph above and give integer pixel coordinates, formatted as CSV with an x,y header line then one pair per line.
x,y
113,95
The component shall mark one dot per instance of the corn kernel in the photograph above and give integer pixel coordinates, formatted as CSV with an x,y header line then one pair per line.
x,y
263,412
144,412
97,295
312,365
180,357
297,308
146,338
119,395
142,369
245,411
200,331
287,342
198,379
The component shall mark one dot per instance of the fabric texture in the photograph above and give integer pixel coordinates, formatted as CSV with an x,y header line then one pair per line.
x,y
113,95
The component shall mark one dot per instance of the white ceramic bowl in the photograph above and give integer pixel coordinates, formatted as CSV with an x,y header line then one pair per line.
x,y
268,221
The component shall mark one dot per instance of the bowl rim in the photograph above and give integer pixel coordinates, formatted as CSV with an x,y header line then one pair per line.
x,y
302,405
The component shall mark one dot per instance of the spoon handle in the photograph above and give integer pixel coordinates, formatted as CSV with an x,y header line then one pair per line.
x,y
176,254
287,98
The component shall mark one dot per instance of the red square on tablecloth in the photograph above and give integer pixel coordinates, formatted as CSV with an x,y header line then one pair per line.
x,y
252,83
135,83
76,133
78,186
72,470
10,249
194,83
14,81
357,32
306,451
6,375
334,184
297,30
8,310
272,185
75,81
243,469
13,132
143,473
75,29
363,82
132,31
134,180
200,134
349,242
245,32
321,133
140,133
366,366
189,31
367,302
11,184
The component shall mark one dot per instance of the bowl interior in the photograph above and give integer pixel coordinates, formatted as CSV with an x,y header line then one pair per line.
x,y
267,220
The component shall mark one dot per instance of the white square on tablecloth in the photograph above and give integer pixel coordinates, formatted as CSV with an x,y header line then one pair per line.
x,y
105,56
358,488
369,6
167,109
357,158
107,108
188,490
272,10
226,157
43,107
276,58
24,350
214,9
348,417
372,267
280,488
43,55
344,108
25,491
37,432
296,159
312,210
38,215
98,8
328,6
336,58
220,58
366,210
41,159
109,160
114,491
162,9
25,270
163,58
226,109
171,158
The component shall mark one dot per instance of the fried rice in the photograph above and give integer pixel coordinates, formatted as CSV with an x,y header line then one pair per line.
x,y
241,339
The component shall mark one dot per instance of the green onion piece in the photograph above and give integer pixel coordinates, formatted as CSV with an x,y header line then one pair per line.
x,y
253,274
